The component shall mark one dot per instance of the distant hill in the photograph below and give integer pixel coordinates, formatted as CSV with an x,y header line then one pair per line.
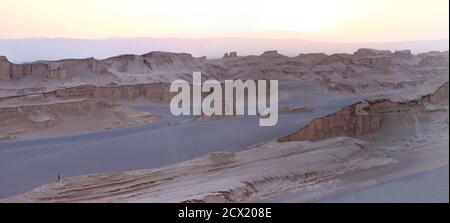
x,y
32,49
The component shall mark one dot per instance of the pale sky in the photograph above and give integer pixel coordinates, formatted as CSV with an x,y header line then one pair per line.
x,y
353,20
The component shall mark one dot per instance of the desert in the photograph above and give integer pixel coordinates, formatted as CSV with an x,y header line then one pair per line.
x,y
347,122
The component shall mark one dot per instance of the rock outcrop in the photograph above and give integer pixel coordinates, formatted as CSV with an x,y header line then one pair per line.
x,y
51,69
311,59
230,55
46,114
367,52
434,59
337,58
32,115
170,62
154,92
366,117
59,72
5,68
272,54
403,54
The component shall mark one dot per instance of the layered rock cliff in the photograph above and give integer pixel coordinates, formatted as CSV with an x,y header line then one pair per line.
x,y
36,116
368,116
46,114
155,92
51,69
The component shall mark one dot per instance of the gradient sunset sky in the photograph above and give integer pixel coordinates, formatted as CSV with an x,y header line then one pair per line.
x,y
347,20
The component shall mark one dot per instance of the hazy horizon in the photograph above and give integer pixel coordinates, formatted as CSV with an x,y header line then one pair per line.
x,y
324,20
295,36
59,29
34,49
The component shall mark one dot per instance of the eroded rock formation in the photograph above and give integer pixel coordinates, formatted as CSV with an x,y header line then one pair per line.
x,y
48,113
5,68
162,67
365,117
250,175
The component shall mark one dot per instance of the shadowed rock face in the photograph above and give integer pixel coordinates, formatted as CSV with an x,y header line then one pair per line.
x,y
9,70
5,68
49,69
365,117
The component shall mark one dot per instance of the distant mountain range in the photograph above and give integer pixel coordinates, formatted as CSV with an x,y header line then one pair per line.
x,y
32,49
